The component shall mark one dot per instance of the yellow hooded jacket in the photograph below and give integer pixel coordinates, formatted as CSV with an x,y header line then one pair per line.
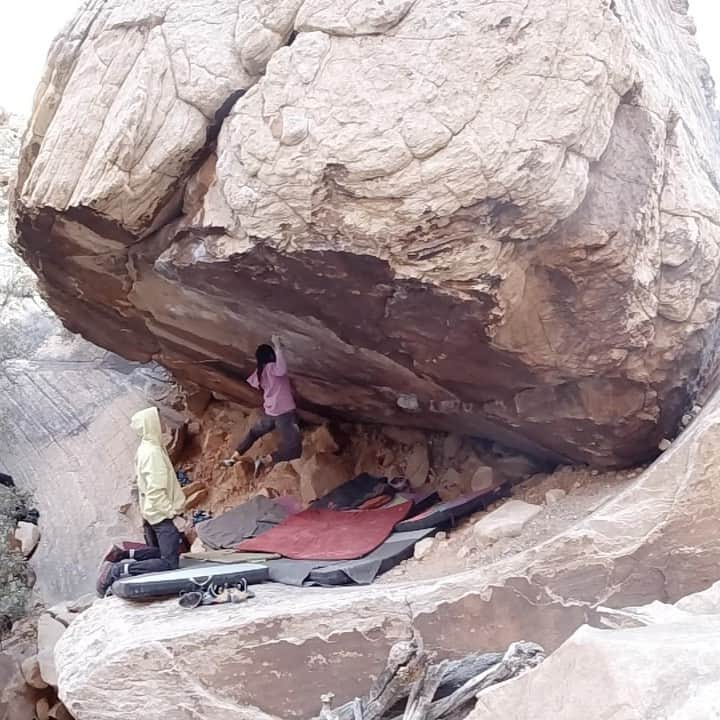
x,y
161,497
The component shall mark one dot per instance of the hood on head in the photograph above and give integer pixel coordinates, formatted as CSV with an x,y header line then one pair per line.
x,y
146,424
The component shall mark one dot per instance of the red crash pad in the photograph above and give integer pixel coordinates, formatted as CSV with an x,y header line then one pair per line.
x,y
320,534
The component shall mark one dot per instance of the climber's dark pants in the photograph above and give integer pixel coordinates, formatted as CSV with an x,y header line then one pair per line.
x,y
162,552
290,440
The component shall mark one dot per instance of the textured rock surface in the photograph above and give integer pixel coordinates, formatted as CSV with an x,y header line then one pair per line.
x,y
65,407
657,540
667,670
506,225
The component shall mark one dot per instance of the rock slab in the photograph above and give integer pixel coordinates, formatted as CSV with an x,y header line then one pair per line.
x,y
665,670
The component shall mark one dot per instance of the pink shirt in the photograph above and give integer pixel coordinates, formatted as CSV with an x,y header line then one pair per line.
x,y
277,394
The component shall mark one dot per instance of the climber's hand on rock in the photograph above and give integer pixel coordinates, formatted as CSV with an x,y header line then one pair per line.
x,y
276,341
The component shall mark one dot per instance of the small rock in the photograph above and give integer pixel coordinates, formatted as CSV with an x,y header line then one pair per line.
x,y
686,419
42,709
555,495
451,447
62,612
50,631
321,440
59,712
423,547
418,465
453,482
197,546
28,536
442,535
82,603
696,409
577,485
30,669
594,473
507,521
664,445
408,402
483,479
516,467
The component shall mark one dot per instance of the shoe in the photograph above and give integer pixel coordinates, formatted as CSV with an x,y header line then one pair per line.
x,y
105,578
115,554
190,600
228,463
215,596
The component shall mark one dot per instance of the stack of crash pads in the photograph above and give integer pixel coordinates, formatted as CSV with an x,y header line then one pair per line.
x,y
336,547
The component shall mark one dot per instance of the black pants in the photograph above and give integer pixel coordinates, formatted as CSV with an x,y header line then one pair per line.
x,y
290,440
163,551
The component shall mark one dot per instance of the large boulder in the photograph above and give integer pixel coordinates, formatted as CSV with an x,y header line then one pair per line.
x,y
278,653
668,669
65,408
480,217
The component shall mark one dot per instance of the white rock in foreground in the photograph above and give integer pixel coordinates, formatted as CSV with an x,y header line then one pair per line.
x,y
28,535
507,521
665,671
50,631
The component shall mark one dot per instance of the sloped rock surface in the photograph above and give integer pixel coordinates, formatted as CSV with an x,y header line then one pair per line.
x,y
668,669
276,654
506,224
65,408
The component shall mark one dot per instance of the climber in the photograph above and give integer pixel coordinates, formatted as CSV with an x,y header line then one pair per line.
x,y
161,504
279,414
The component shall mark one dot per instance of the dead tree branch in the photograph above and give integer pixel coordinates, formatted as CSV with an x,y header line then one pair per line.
x,y
412,688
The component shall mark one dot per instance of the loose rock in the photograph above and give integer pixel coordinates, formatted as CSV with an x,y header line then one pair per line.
x,y
483,479
507,521
42,709
50,631
28,535
423,548
555,495
30,668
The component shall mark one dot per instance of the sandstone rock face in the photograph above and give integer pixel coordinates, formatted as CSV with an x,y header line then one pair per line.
x,y
667,670
65,408
657,540
506,225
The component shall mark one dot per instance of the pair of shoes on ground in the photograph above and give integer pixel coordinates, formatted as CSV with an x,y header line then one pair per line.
x,y
215,596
